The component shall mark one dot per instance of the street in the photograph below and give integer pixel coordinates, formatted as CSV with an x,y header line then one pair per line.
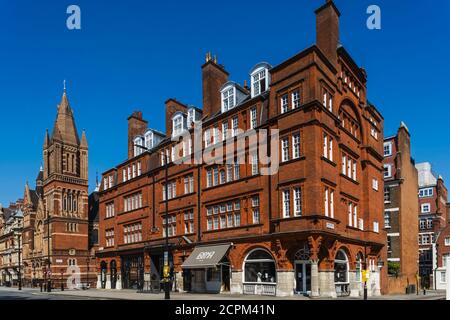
x,y
93,294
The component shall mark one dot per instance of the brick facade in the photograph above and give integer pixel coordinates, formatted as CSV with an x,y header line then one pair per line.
x,y
401,211
334,122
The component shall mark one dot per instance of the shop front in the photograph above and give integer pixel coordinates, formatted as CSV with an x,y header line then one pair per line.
x,y
207,270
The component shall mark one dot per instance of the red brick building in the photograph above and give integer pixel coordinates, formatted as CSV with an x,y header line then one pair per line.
x,y
310,226
433,198
401,207
443,254
55,227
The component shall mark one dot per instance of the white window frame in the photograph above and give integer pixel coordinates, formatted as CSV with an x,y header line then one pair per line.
x,y
425,205
284,103
296,146
257,77
389,171
285,149
296,102
228,98
286,203
177,124
387,149
253,118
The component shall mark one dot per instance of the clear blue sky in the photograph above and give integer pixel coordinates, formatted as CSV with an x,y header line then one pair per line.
x,y
136,54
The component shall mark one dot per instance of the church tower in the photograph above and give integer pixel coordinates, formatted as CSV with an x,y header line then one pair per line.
x,y
65,194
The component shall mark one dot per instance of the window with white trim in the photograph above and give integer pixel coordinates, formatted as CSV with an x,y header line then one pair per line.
x,y
228,99
189,222
286,203
447,242
375,184
253,119
234,128
329,202
388,149
426,208
255,210
177,125
110,210
387,171
132,202
132,233
284,103
387,220
255,166
109,237
327,147
297,202
425,193
285,149
172,225
376,227
259,82
225,130
296,99
296,146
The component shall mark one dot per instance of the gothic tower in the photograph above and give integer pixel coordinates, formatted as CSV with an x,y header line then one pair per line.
x,y
65,194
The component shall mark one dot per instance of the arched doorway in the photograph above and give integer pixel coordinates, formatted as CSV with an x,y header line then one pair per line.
x,y
302,265
341,277
113,270
260,275
103,273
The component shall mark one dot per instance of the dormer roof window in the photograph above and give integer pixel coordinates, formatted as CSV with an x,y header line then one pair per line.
x,y
228,98
232,95
178,124
138,141
193,116
260,79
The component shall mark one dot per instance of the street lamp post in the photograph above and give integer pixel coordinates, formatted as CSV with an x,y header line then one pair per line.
x,y
166,270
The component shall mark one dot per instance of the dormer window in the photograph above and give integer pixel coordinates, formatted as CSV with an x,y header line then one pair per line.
x,y
228,99
149,140
260,79
138,141
193,115
178,124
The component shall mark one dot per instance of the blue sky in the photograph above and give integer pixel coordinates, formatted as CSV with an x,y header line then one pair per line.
x,y
134,54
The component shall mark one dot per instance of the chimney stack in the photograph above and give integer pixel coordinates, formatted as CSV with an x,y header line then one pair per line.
x,y
136,127
327,30
214,76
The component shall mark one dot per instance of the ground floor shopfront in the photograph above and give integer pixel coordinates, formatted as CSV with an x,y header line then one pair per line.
x,y
313,266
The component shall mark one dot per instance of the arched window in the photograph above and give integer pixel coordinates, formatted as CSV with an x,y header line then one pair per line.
x,y
149,140
341,268
259,266
303,254
260,78
138,141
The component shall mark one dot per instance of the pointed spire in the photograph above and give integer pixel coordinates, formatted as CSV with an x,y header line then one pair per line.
x,y
27,193
65,129
46,139
84,143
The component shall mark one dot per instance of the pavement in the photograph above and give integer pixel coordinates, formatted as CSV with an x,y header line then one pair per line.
x,y
95,294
